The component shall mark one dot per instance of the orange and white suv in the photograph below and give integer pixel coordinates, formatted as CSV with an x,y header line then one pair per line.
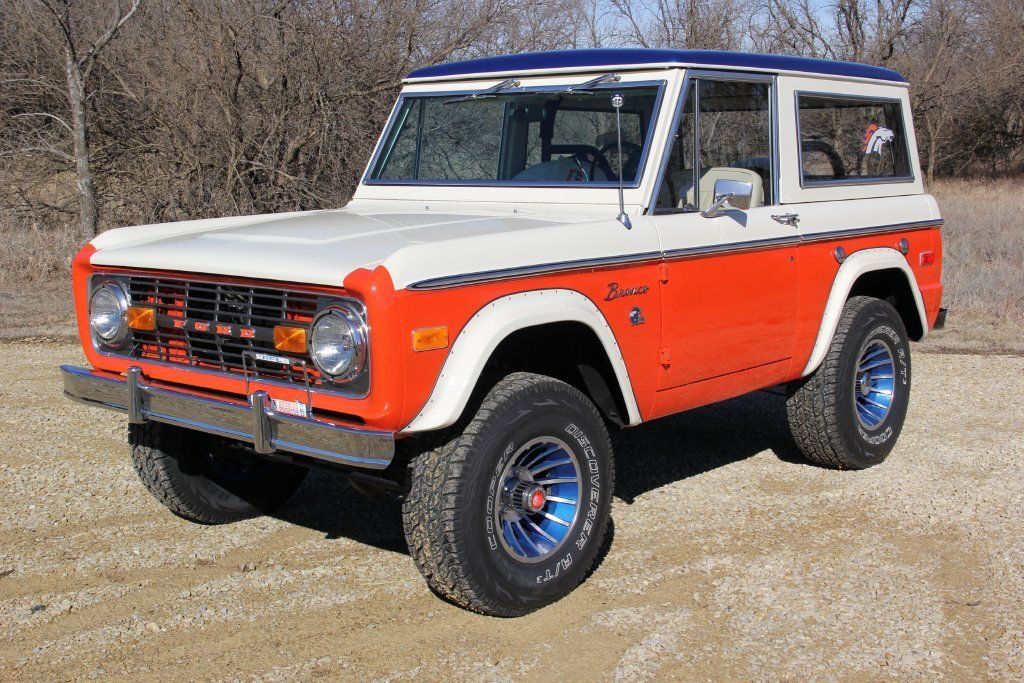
x,y
543,246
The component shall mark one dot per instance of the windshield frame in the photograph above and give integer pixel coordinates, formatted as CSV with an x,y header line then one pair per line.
x,y
387,138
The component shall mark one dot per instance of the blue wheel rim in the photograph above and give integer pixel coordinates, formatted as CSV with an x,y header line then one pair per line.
x,y
550,465
874,384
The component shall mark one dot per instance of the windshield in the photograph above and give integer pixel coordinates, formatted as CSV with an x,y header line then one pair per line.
x,y
533,138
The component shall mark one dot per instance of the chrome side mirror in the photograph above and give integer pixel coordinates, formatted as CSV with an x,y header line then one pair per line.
x,y
735,193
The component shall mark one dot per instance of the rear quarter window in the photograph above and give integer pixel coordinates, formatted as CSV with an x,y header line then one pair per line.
x,y
846,139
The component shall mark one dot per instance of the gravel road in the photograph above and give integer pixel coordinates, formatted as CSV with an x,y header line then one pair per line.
x,y
730,559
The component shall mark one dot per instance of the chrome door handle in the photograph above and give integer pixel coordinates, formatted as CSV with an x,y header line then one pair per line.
x,y
790,219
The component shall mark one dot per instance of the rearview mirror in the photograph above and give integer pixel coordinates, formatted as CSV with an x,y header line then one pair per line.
x,y
735,193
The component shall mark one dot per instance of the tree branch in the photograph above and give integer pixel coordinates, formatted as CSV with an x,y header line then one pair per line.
x,y
87,61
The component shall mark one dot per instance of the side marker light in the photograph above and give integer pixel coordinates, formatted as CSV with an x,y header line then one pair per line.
x,y
430,338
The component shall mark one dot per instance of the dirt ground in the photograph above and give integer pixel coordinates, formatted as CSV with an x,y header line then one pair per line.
x,y
730,559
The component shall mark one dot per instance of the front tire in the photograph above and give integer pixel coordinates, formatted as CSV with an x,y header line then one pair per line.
x,y
207,479
849,412
510,516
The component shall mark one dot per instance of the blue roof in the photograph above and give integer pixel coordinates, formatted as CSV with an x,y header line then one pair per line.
x,y
639,57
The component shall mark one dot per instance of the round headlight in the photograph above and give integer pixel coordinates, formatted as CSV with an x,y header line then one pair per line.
x,y
337,343
106,313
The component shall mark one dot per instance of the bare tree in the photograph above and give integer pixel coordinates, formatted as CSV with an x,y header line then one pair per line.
x,y
80,55
695,24
192,108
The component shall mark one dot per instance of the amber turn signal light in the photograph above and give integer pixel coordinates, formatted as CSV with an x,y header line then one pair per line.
x,y
429,338
291,339
140,317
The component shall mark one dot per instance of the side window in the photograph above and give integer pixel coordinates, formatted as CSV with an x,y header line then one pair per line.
x,y
729,138
846,139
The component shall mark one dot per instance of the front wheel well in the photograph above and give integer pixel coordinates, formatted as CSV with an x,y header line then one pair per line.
x,y
891,285
567,351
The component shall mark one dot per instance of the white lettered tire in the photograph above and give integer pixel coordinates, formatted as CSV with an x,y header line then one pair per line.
x,y
478,514
849,412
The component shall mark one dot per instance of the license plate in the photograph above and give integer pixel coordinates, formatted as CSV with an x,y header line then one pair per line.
x,y
294,408
270,358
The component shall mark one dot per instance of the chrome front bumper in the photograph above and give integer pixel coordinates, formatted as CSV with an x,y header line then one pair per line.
x,y
255,421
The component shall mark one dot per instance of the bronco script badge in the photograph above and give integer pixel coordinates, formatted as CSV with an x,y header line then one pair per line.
x,y
614,292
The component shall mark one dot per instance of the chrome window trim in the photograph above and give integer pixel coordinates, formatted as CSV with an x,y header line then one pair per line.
x,y
655,256
602,185
695,75
882,180
775,124
666,152
328,387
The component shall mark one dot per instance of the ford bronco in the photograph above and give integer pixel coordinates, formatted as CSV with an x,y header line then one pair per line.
x,y
543,247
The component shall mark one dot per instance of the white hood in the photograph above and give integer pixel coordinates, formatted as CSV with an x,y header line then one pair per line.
x,y
323,247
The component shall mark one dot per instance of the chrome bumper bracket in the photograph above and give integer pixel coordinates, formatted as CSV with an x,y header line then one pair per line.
x,y
135,410
254,421
262,430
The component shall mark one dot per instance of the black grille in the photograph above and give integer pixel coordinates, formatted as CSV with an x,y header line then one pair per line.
x,y
210,325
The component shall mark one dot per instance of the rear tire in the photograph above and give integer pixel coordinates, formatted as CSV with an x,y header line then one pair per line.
x,y
475,502
849,412
207,479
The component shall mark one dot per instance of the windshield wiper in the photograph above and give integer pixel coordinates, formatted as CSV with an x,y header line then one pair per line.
x,y
489,92
590,85
495,90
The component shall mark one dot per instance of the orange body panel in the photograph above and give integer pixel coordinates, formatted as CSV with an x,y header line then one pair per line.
x,y
817,268
454,307
379,408
717,327
728,312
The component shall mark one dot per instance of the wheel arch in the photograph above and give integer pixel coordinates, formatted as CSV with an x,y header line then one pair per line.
x,y
882,273
492,342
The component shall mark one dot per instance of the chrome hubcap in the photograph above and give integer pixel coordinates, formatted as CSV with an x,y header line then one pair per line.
x,y
874,384
538,502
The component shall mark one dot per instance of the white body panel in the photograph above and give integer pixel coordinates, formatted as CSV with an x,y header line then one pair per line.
x,y
791,191
322,247
490,326
818,218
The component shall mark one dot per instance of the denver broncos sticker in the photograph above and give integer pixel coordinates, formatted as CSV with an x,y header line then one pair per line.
x,y
875,138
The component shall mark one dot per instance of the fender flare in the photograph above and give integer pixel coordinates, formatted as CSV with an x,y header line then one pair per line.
x,y
490,326
855,265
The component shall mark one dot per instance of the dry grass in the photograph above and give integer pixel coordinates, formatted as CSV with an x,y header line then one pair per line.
x,y
983,265
983,270
983,238
35,292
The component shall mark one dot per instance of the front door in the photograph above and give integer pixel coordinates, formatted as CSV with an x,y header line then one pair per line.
x,y
729,282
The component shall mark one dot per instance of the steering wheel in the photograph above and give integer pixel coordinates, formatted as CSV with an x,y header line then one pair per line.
x,y
629,165
593,156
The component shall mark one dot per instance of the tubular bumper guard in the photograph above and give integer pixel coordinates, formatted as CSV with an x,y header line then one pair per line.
x,y
256,421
